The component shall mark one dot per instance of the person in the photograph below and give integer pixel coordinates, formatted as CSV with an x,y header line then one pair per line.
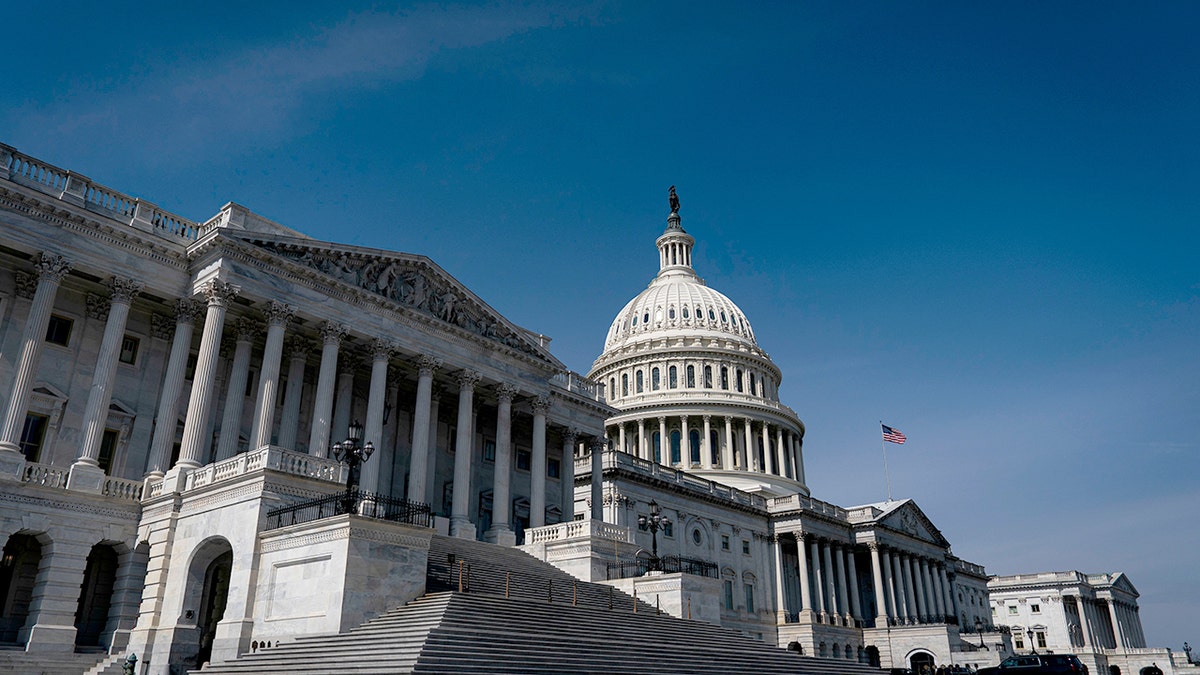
x,y
673,199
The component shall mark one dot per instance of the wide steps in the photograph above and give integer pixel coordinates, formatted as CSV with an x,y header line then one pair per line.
x,y
43,663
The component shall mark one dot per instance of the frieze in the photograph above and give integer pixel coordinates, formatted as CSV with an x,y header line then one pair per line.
x,y
409,283
65,505
223,496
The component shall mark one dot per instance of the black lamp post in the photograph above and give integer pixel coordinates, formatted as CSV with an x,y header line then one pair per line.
x,y
654,523
1032,647
353,454
979,629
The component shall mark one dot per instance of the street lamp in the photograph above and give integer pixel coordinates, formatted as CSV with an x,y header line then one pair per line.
x,y
979,629
353,454
1032,647
654,523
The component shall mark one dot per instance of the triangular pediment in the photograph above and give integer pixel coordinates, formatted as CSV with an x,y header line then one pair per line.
x,y
1122,582
412,282
908,518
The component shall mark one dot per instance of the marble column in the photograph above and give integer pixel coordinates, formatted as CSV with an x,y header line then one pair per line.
x,y
1085,629
537,467
910,595
343,399
186,313
727,462
800,459
685,443
780,601
852,576
289,422
889,582
664,443
51,269
195,445
501,531
706,455
641,439
936,586
919,589
418,468
843,592
899,590
596,448
435,497
624,447
569,438
332,335
803,565
381,353
86,474
829,576
235,392
279,315
881,612
460,518
751,456
818,578
768,451
781,455
947,592
1118,634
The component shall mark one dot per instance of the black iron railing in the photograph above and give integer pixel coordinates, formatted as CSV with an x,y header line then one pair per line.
x,y
360,502
671,564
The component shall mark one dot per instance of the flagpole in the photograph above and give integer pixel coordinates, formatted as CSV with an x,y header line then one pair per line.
x,y
886,474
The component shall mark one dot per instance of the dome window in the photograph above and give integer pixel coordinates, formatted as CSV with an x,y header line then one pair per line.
x,y
612,386
691,377
712,316
738,381
625,384
685,312
708,377
724,378
658,315
635,319
671,313
654,379
673,377
646,317
753,387
723,316
640,381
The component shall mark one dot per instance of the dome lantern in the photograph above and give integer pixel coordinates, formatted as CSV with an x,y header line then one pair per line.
x,y
675,245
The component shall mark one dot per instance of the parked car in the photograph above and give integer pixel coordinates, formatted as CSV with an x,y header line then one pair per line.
x,y
1038,664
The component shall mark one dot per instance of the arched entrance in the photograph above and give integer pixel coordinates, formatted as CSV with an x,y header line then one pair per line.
x,y
19,564
921,663
212,603
873,656
1114,670
95,595
208,592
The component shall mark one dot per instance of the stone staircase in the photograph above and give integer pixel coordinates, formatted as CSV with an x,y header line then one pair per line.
x,y
20,662
549,623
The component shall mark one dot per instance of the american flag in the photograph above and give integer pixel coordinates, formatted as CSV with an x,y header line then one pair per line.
x,y
893,435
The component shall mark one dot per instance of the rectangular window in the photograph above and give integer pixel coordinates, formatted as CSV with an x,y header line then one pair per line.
x,y
668,529
728,594
1035,608
724,542
746,546
553,467
108,448
524,460
749,598
640,382
1040,636
489,450
58,331
1012,610
190,373
1018,640
32,436
129,350
452,435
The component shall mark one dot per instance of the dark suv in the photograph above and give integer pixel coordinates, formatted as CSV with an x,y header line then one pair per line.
x,y
1038,664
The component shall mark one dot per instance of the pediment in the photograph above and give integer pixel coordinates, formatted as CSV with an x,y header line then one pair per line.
x,y
908,518
1122,582
413,282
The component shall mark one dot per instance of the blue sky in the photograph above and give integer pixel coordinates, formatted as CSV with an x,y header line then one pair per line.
x,y
976,222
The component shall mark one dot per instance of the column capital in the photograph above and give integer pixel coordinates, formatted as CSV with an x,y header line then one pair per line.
x,y
219,293
246,329
297,346
161,326
707,418
874,546
597,443
187,311
97,306
333,332
505,392
382,349
26,284
540,404
279,314
122,289
467,379
427,364
662,419
51,266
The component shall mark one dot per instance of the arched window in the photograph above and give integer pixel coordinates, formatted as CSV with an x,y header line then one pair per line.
x,y
753,388
694,446
714,440
646,317
691,376
654,379
708,377
722,316
675,449
711,315
738,382
671,313
640,382
685,312
724,378
612,386
635,318
624,384
673,377
657,448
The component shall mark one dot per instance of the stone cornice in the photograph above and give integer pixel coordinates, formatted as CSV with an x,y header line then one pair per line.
x,y
63,500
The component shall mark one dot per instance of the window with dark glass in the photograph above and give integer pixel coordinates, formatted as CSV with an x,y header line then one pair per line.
x,y
553,467
673,377
724,378
524,460
708,377
624,384
58,331
32,436
691,376
108,449
654,383
738,381
640,383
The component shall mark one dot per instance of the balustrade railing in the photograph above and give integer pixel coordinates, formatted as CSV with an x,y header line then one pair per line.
x,y
671,564
359,502
576,529
270,457
576,383
615,459
45,475
122,488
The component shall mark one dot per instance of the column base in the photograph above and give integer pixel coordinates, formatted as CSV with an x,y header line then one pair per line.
x,y
462,527
86,477
12,462
502,536
49,638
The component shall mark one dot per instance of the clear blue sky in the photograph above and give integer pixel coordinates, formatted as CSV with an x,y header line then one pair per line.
x,y
976,222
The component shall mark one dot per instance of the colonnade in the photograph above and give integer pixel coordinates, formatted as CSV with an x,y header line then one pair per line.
x,y
1106,623
738,440
909,588
332,387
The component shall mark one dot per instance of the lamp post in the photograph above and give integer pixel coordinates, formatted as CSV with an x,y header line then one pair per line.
x,y
1032,647
353,454
979,629
1187,649
654,523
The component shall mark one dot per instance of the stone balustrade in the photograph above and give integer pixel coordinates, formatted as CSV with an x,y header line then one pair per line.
x,y
45,475
576,383
613,459
793,502
698,395
270,457
122,488
579,529
62,184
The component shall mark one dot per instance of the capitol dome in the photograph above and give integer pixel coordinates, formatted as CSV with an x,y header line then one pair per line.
x,y
694,389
